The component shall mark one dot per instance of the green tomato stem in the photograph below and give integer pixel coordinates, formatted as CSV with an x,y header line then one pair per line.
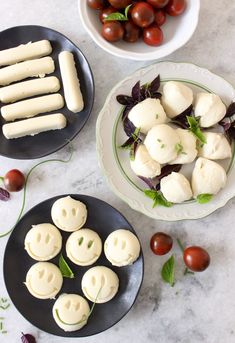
x,y
180,245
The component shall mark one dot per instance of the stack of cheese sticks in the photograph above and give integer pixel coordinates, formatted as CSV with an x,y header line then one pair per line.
x,y
31,61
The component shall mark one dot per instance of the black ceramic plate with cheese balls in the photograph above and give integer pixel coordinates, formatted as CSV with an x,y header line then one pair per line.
x,y
103,219
43,144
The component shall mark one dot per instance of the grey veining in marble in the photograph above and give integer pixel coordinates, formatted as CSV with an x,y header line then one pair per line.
x,y
198,309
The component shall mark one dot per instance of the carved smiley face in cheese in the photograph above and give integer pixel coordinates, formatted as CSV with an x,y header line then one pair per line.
x,y
44,280
122,248
71,312
68,214
43,242
84,247
100,284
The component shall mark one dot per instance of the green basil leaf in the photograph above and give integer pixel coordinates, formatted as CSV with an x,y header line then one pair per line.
x,y
116,16
150,193
168,271
204,198
132,152
64,268
127,10
195,128
158,198
136,133
179,148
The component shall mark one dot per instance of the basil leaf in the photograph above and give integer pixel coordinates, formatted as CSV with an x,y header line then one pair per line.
x,y
204,198
116,16
127,10
158,198
195,128
179,148
168,271
150,193
27,338
65,269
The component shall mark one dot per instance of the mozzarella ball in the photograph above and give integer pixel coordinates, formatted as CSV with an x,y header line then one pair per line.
x,y
161,142
71,312
100,284
147,114
216,147
188,143
176,188
208,177
68,214
122,248
210,108
144,165
44,280
43,242
84,247
176,98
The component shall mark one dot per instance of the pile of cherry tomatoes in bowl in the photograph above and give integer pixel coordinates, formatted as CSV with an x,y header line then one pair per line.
x,y
130,20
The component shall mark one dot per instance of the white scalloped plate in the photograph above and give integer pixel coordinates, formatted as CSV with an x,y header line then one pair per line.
x,y
114,162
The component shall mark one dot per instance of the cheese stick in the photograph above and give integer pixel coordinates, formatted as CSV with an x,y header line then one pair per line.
x,y
30,88
25,52
71,84
20,71
34,126
32,107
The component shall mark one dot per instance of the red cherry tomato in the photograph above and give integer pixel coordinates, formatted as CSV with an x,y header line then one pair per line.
x,y
106,12
96,4
158,3
196,258
161,243
14,180
112,31
175,7
153,35
132,32
160,17
142,14
120,3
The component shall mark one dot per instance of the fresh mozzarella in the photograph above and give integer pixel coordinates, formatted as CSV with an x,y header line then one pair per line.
x,y
176,98
216,147
161,143
210,109
147,114
176,188
143,164
187,151
208,177
122,248
33,126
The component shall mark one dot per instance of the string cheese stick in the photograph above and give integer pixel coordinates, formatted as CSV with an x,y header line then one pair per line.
x,y
25,52
71,84
17,72
32,107
30,88
33,126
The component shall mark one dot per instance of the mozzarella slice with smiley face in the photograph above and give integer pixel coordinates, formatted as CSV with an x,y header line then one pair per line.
x,y
84,247
69,214
122,248
43,242
100,284
44,280
71,312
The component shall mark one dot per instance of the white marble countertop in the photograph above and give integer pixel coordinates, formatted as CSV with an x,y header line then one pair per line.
x,y
199,308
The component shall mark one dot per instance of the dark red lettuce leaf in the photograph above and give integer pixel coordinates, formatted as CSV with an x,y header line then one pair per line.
x,y
27,338
4,194
181,119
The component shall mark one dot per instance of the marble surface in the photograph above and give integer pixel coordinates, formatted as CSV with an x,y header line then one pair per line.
x,y
199,308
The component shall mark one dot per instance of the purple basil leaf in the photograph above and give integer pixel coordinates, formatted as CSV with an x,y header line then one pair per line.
x,y
168,169
126,111
27,338
136,92
128,143
226,123
231,110
129,128
150,182
156,95
181,119
154,85
4,195
124,100
231,133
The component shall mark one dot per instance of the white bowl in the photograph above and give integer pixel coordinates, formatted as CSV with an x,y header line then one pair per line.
x,y
177,31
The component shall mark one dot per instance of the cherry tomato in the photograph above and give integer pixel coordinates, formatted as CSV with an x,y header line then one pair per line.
x,y
96,4
175,7
161,243
132,32
160,17
153,35
120,3
196,258
14,180
112,31
106,12
142,14
158,3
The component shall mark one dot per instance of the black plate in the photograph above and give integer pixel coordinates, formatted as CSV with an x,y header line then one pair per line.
x,y
103,218
46,143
